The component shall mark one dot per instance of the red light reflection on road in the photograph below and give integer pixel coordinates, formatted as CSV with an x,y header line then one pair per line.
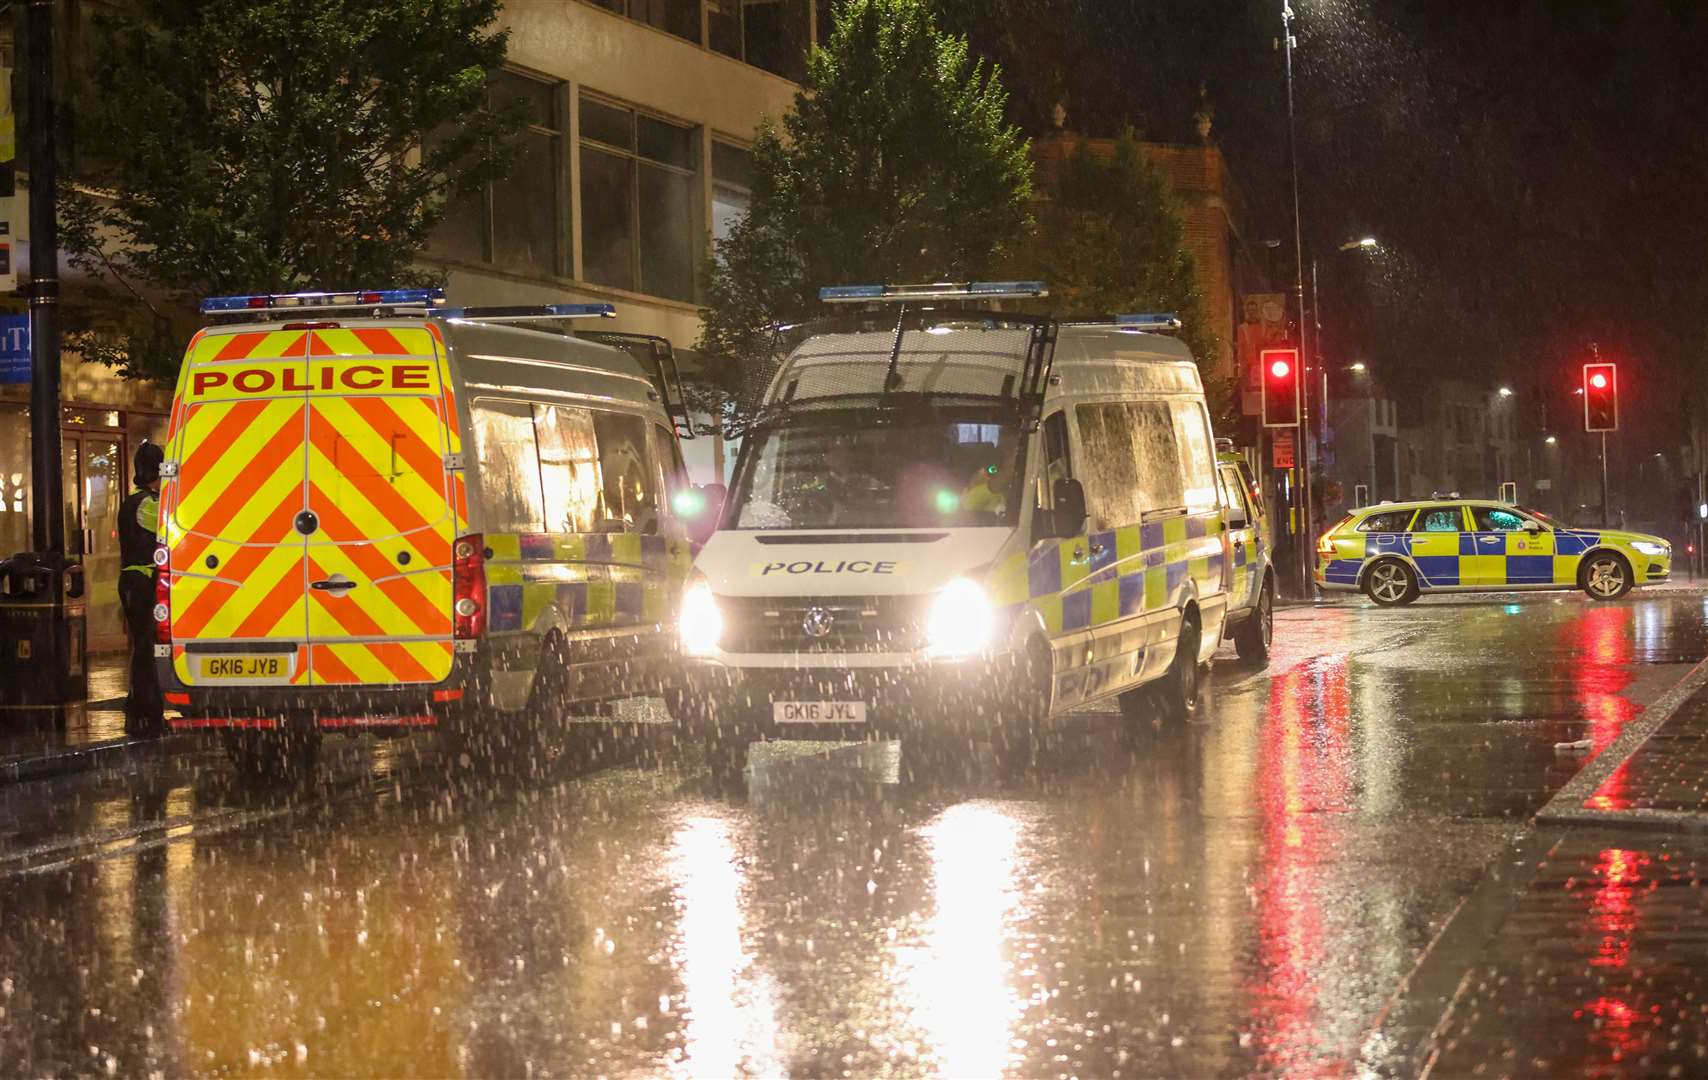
x,y
1305,774
1601,639
1613,912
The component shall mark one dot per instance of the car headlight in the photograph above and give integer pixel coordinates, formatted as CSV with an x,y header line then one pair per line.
x,y
1650,548
959,622
700,624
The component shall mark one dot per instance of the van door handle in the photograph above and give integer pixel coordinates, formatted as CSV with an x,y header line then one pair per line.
x,y
1098,551
336,583
1078,554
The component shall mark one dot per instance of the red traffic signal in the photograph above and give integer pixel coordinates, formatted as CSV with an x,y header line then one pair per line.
x,y
1280,367
1601,397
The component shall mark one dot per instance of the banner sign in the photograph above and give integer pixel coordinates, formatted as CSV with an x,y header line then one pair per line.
x,y
14,349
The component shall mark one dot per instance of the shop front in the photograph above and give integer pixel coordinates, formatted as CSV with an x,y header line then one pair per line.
x,y
103,421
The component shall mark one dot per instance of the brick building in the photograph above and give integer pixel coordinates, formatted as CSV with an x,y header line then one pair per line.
x,y
1214,215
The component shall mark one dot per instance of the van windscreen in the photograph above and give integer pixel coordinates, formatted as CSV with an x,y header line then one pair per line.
x,y
864,468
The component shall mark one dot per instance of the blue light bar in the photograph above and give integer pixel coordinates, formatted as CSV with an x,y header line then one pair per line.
x,y
1150,321
530,312
897,294
322,300
835,293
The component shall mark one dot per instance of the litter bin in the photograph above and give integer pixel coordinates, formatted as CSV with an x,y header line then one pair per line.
x,y
43,664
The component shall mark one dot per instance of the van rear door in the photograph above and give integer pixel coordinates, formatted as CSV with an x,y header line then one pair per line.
x,y
239,613
380,429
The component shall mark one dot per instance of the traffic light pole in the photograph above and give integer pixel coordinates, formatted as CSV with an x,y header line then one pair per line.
x,y
1302,531
1604,517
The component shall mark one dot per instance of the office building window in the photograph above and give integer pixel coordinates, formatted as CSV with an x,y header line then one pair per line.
x,y
639,187
679,17
732,186
770,34
519,222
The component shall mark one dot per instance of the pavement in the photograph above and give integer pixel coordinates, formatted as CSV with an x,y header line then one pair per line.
x,y
1348,863
89,736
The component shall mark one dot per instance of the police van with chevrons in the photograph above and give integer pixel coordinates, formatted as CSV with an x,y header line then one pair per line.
x,y
383,514
1394,552
949,517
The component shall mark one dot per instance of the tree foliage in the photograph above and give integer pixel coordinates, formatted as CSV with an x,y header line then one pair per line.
x,y
1111,240
894,164
240,146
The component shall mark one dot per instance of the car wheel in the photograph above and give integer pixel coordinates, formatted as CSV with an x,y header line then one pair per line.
x,y
1391,583
1177,690
1253,637
1605,576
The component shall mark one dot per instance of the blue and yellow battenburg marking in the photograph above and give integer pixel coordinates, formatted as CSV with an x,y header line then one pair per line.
x,y
1469,558
1095,579
596,580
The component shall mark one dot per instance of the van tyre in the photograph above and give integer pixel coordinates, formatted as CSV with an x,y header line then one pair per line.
x,y
1391,583
1022,719
1177,690
1605,576
270,757
1252,638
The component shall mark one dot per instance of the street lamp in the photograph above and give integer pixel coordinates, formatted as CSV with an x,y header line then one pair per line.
x,y
1550,440
1505,391
1365,242
1359,367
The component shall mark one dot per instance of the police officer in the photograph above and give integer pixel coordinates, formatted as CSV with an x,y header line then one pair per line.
x,y
139,519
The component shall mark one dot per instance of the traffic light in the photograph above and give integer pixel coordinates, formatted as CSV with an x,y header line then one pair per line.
x,y
1601,397
1280,368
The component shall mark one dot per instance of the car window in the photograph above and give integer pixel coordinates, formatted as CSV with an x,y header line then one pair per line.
x,y
1387,521
1236,495
1497,519
1439,519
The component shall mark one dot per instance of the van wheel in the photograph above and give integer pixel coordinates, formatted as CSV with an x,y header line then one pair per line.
x,y
263,758
1605,576
1253,637
1023,720
1177,690
548,696
1391,583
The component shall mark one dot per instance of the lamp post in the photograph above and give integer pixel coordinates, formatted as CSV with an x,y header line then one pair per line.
x,y
1302,535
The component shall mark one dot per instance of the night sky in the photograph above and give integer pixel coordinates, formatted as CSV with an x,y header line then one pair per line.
x,y
1536,171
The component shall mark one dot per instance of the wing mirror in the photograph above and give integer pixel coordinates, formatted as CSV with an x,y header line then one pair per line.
x,y
1237,518
1068,516
699,508
1530,526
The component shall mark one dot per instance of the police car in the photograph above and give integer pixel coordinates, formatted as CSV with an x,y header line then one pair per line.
x,y
383,514
969,520
1396,551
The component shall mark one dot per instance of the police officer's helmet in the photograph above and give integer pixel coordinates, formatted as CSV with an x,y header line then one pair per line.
x,y
148,459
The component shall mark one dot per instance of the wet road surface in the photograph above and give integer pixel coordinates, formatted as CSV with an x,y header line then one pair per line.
x,y
1243,895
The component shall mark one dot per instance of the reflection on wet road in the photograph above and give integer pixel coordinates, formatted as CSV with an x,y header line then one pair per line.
x,y
1238,896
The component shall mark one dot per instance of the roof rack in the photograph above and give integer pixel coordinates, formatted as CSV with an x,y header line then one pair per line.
x,y
902,294
322,301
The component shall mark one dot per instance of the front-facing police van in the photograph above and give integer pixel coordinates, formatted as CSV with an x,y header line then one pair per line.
x,y
382,514
960,521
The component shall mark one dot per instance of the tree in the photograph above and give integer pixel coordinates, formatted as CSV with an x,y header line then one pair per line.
x,y
241,146
893,164
1110,241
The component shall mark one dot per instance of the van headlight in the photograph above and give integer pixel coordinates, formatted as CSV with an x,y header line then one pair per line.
x,y
700,624
1649,548
959,622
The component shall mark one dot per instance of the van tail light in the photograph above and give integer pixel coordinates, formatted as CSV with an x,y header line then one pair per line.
x,y
162,597
1325,546
468,586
